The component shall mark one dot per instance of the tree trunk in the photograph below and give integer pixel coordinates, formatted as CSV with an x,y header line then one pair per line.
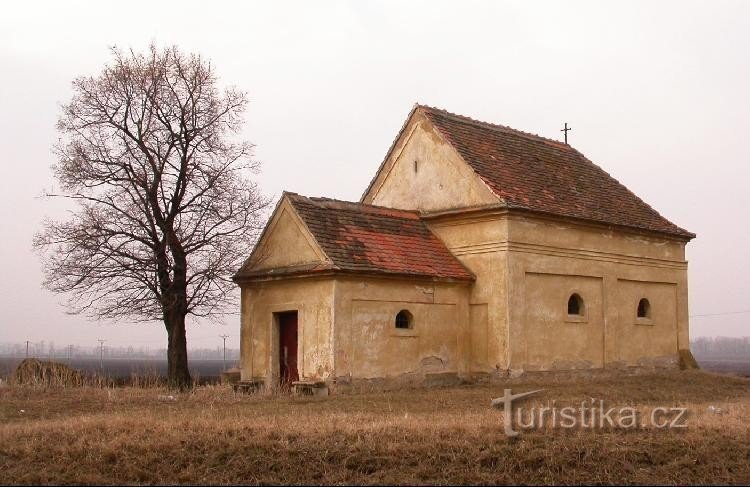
x,y
177,361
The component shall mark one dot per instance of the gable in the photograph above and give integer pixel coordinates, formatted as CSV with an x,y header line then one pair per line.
x,y
285,243
529,172
423,172
320,235
463,163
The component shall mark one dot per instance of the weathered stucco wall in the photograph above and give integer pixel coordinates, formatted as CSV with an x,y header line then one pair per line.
x,y
555,340
313,300
612,271
528,267
476,241
643,341
368,345
366,342
425,173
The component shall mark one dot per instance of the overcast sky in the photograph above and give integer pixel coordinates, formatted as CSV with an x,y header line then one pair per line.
x,y
657,93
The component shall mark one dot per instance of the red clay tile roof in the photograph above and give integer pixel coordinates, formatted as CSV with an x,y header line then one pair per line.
x,y
365,238
534,173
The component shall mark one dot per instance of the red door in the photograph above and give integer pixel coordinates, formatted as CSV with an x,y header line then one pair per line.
x,y
288,347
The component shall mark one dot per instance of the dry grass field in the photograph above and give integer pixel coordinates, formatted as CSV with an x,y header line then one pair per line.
x,y
432,436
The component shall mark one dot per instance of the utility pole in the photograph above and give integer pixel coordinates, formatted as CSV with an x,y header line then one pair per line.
x,y
224,337
101,354
70,354
27,348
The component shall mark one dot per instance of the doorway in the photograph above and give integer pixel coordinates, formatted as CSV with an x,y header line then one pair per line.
x,y
288,372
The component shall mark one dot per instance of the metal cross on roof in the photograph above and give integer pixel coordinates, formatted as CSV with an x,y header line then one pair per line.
x,y
566,129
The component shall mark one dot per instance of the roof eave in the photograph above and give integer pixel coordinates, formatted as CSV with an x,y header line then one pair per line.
x,y
334,272
508,209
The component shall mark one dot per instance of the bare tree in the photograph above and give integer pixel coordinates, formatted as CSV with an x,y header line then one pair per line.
x,y
166,211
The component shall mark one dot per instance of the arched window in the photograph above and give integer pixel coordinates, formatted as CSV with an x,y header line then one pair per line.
x,y
575,305
404,320
644,308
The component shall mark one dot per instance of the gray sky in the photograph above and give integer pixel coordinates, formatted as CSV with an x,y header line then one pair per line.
x,y
657,94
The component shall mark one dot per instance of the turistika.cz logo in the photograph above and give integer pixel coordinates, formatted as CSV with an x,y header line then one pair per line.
x,y
591,414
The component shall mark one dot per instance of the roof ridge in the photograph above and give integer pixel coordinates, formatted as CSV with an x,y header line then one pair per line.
x,y
495,126
353,203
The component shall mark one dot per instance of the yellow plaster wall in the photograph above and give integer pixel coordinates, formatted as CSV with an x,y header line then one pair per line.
x,y
547,260
480,338
639,340
556,340
526,269
479,244
313,300
369,346
441,179
286,242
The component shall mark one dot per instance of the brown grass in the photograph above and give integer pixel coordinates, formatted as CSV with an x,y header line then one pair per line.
x,y
32,371
435,436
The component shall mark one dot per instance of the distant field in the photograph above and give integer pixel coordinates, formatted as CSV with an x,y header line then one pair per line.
x,y
124,368
211,369
733,366
443,436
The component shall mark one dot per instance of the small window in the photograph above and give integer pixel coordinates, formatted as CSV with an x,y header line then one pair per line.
x,y
575,305
404,320
644,308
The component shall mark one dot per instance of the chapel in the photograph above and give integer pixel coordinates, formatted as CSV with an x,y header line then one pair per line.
x,y
476,251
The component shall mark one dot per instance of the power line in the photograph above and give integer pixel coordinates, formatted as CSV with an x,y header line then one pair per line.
x,y
722,314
